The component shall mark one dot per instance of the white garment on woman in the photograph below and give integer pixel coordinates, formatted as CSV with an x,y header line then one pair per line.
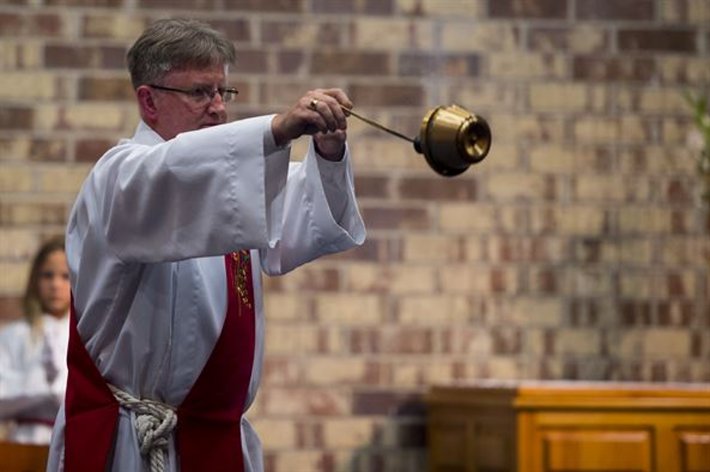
x,y
145,246
33,376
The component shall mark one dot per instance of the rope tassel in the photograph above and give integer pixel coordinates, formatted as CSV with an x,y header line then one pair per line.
x,y
154,423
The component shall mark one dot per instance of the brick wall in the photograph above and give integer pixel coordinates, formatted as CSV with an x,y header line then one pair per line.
x,y
577,250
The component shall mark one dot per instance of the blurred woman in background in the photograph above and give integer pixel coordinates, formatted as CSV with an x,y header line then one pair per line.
x,y
33,350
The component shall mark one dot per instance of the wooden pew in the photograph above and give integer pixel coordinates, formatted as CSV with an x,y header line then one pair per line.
x,y
16,457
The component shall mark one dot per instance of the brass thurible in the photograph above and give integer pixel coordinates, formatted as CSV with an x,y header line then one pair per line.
x,y
451,138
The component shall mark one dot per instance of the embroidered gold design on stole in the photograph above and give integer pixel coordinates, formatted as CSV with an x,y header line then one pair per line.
x,y
241,260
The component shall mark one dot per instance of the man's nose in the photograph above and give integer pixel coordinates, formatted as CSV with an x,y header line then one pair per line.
x,y
217,102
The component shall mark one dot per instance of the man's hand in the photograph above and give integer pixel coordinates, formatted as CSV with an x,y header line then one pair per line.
x,y
317,113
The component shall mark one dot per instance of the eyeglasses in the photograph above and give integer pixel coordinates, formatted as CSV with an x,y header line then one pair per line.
x,y
202,95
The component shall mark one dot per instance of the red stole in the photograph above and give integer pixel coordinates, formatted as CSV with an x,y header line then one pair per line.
x,y
208,433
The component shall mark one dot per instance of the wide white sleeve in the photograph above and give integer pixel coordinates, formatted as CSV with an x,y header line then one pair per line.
x,y
23,390
320,214
203,193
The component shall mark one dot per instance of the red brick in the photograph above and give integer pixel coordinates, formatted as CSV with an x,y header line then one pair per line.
x,y
371,187
113,58
423,64
11,24
550,9
379,402
372,7
613,69
278,91
549,339
659,371
679,191
179,4
506,340
290,62
432,188
278,32
396,218
10,307
524,249
281,6
634,313
269,461
549,39
590,251
404,340
312,278
669,40
375,249
676,313
324,403
250,61
328,462
280,371
350,63
679,222
238,29
498,281
510,249
696,345
85,3
570,370
638,10
111,89
40,149
32,213
71,56
90,150
309,435
244,88
99,25
583,313
638,160
408,123
47,25
365,340
547,281
15,118
676,287
377,373
383,95
551,186
48,150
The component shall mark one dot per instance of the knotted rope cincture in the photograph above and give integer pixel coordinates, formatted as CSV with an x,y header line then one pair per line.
x,y
154,423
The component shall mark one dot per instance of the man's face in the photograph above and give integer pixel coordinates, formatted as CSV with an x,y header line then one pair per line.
x,y
179,112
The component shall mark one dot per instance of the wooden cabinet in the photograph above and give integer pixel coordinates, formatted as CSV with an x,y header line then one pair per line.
x,y
569,427
23,457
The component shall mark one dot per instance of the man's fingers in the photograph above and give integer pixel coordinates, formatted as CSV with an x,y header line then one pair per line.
x,y
328,108
340,96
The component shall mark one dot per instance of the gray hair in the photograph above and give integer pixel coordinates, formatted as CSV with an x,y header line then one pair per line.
x,y
176,44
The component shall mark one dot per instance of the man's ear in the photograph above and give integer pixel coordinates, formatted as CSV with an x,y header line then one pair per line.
x,y
146,104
